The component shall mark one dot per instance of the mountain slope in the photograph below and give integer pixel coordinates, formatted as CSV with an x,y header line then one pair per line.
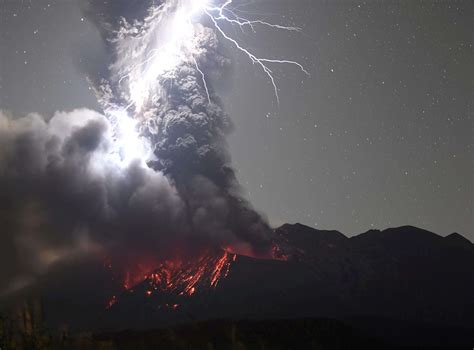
x,y
403,274
391,282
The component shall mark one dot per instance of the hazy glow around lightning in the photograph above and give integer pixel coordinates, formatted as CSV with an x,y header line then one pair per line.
x,y
172,41
167,39
129,146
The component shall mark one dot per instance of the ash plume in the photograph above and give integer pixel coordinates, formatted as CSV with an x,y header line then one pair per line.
x,y
180,115
71,187
63,195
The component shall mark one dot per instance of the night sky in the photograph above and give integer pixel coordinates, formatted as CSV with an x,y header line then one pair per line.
x,y
380,135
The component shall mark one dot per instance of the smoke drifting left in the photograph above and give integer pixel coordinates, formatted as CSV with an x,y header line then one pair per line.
x,y
62,195
145,180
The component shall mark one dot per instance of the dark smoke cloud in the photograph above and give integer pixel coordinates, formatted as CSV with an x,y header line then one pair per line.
x,y
62,195
187,131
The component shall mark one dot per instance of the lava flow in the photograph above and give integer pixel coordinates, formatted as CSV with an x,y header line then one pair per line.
x,y
183,278
169,281
177,277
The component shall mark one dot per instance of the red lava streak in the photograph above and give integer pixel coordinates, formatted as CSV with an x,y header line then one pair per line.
x,y
185,277
179,277
111,302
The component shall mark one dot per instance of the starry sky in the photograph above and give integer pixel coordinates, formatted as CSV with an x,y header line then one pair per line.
x,y
380,135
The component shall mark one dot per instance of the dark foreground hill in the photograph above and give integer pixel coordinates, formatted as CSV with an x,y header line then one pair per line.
x,y
402,286
265,334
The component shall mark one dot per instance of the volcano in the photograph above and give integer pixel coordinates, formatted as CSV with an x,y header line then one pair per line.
x,y
379,281
405,274
179,278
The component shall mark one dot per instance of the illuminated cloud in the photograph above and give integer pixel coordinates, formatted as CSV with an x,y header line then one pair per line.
x,y
151,170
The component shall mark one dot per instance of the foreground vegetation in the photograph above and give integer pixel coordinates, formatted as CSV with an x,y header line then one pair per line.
x,y
25,330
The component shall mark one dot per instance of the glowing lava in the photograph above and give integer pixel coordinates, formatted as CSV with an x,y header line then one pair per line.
x,y
184,278
179,277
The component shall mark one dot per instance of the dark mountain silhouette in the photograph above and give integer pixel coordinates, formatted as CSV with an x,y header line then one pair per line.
x,y
403,273
402,284
408,279
460,241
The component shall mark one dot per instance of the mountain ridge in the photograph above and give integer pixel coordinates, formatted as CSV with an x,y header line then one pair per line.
x,y
401,273
405,274
454,235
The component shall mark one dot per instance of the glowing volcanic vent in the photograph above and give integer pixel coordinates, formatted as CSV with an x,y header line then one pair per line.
x,y
176,279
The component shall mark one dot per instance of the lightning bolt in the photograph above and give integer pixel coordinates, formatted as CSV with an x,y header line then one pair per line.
x,y
217,14
181,48
203,79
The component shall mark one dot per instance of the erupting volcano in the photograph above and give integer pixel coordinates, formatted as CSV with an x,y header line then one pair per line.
x,y
177,278
181,275
121,208
148,172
